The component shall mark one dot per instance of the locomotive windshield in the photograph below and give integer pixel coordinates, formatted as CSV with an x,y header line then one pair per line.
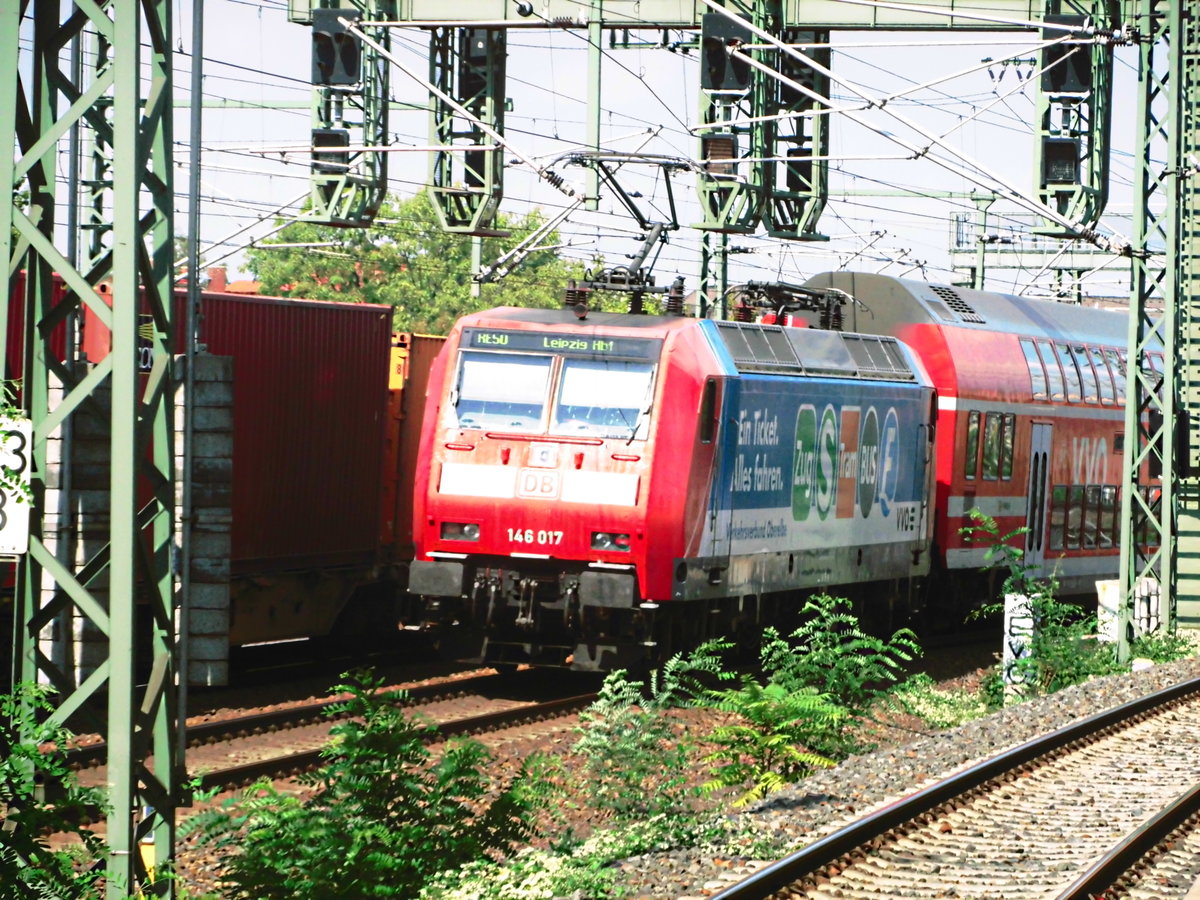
x,y
503,391
603,397
587,387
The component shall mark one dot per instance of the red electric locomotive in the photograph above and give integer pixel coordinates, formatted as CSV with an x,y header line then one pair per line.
x,y
599,491
1031,418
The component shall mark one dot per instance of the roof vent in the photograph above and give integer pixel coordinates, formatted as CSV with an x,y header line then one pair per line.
x,y
964,309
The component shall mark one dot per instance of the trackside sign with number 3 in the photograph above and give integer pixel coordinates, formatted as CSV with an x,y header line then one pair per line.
x,y
16,437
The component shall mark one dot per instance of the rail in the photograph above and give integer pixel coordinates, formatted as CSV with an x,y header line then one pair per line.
x,y
779,875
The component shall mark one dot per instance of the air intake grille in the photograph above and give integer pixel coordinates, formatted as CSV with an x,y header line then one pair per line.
x,y
964,309
773,350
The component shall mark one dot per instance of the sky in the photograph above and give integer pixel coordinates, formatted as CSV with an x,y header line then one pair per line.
x,y
650,100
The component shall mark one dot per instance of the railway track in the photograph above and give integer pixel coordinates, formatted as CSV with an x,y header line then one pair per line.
x,y
298,761
218,729
1065,815
229,752
1155,861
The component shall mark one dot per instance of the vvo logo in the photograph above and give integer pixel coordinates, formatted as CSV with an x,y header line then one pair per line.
x,y
814,477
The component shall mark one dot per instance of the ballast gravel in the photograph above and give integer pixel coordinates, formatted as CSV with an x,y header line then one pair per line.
x,y
830,799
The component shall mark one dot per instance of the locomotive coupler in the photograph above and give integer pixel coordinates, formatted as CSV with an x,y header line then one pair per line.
x,y
493,593
525,611
571,604
475,599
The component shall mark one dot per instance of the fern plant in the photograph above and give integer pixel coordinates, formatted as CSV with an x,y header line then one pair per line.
x,y
817,685
832,655
627,742
765,746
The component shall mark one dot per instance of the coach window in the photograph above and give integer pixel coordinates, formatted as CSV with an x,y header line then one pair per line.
x,y
708,412
993,445
1037,373
1104,378
1116,362
1091,516
1083,360
1054,376
1074,516
971,457
501,391
1058,515
1108,516
1074,391
1009,439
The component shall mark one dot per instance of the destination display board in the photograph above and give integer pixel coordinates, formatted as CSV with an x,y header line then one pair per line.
x,y
590,345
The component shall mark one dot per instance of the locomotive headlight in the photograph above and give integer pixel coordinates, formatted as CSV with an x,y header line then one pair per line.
x,y
460,531
607,540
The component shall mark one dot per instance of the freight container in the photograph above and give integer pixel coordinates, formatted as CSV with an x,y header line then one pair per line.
x,y
310,401
297,494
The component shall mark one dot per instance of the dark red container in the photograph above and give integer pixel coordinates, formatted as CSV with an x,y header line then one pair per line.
x,y
15,344
310,401
310,406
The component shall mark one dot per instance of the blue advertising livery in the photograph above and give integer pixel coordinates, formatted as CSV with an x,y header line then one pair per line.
x,y
823,463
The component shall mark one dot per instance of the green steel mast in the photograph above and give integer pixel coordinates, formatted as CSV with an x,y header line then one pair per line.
x,y
1160,538
122,535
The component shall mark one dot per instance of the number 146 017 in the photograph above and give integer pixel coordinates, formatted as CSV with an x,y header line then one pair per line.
x,y
532,536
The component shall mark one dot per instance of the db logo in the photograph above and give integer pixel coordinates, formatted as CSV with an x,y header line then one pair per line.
x,y
538,483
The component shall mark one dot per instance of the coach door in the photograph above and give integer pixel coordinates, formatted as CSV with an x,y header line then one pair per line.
x,y
1039,488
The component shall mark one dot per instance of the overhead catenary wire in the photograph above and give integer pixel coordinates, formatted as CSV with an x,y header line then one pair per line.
x,y
857,213
547,175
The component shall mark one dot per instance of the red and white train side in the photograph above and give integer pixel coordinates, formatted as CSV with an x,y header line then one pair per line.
x,y
1031,417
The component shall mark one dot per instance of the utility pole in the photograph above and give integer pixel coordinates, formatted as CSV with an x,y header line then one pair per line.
x,y
1160,501
982,204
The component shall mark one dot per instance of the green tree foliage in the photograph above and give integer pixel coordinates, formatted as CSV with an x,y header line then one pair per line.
x,y
33,767
406,261
385,815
